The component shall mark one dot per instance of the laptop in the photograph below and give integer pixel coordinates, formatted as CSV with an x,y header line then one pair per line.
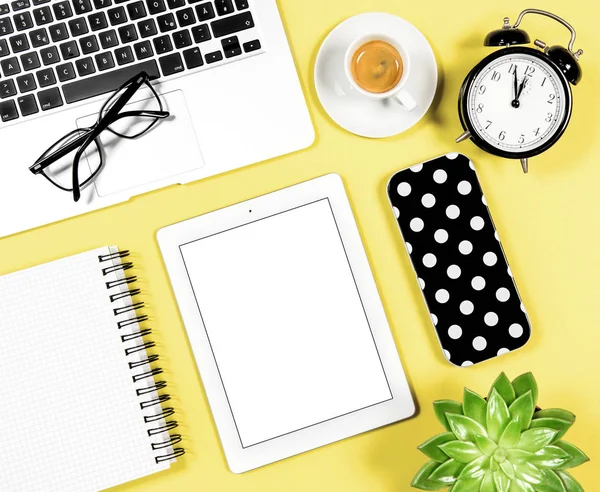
x,y
223,69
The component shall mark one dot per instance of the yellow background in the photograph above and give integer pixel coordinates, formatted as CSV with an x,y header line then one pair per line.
x,y
548,222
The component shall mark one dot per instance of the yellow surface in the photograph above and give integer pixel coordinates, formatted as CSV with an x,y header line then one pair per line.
x,y
548,222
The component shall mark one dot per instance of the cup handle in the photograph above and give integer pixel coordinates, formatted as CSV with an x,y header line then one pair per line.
x,y
405,100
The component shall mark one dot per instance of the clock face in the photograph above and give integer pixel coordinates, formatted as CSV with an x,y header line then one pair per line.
x,y
517,103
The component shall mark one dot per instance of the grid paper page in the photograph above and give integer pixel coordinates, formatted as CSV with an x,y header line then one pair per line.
x,y
71,419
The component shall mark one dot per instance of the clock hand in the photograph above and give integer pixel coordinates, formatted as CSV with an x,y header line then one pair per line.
x,y
515,102
522,87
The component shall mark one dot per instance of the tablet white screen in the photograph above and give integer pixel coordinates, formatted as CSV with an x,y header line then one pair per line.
x,y
285,323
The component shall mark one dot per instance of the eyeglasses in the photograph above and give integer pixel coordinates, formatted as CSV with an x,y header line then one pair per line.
x,y
67,174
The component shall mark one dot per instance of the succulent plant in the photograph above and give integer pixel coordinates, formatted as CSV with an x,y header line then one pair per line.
x,y
502,443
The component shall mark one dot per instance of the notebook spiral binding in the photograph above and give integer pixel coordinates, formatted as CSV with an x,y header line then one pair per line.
x,y
157,417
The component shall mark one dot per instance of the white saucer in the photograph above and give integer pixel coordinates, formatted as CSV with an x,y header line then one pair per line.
x,y
356,113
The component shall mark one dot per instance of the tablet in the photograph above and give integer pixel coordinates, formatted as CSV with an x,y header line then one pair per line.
x,y
285,323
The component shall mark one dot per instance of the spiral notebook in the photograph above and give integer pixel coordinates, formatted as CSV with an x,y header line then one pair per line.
x,y
83,407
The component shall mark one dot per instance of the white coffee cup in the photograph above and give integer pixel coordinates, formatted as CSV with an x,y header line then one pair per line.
x,y
397,93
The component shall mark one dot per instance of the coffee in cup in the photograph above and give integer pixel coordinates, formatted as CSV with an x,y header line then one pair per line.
x,y
377,66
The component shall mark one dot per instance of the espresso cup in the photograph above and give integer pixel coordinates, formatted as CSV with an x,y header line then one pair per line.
x,y
397,92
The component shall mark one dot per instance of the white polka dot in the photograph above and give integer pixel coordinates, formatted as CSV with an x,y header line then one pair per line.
x,y
491,319
421,283
417,224
404,189
471,165
396,212
477,223
467,363
479,343
452,155
455,332
434,318
429,260
465,247
496,236
484,200
478,283
466,307
453,272
502,294
490,259
509,272
446,354
523,308
440,176
452,212
428,200
409,248
515,330
442,296
416,168
503,351
441,236
464,187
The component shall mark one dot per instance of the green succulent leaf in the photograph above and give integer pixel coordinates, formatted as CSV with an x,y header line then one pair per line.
x,y
461,451
560,425
503,386
529,473
524,383
497,416
502,481
476,469
550,457
508,469
533,440
578,457
520,486
474,406
511,435
517,456
487,484
486,445
551,482
467,485
448,472
465,428
442,407
558,413
431,449
421,480
571,485
522,409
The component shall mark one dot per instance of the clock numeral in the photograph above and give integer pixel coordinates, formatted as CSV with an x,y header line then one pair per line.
x,y
512,68
529,70
551,98
480,108
522,138
536,132
488,124
502,136
482,89
496,76
548,118
544,81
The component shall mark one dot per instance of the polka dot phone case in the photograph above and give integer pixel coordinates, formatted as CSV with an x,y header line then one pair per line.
x,y
458,259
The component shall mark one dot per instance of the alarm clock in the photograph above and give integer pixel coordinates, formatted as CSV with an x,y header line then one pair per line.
x,y
517,102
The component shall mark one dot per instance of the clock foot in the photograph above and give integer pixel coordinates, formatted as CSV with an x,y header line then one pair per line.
x,y
463,137
525,165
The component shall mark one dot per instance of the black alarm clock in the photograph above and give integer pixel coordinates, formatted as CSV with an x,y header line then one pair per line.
x,y
517,102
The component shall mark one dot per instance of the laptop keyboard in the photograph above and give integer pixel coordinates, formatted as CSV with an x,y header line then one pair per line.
x,y
58,52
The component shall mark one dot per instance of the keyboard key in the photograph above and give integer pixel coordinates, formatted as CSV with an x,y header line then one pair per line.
x,y
3,48
233,24
143,50
6,26
23,21
7,89
65,72
89,44
10,66
50,99
186,17
108,39
85,66
193,58
82,6
69,50
201,33
43,16
49,55
19,43
136,10
45,77
171,64
117,16
166,22
251,46
78,27
4,9
28,105
39,37
181,39
162,44
26,82
97,21
205,11
156,6
62,10
107,82
30,61
147,28
102,4
241,4
214,57
104,61
128,34
175,4
8,111
20,5
124,55
58,32
231,47
40,2
224,7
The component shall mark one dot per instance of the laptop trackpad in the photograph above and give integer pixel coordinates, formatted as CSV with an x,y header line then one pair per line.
x,y
170,148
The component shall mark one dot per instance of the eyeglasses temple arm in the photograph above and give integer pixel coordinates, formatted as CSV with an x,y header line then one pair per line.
x,y
46,161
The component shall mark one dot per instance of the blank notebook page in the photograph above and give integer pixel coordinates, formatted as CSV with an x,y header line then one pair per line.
x,y
70,417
